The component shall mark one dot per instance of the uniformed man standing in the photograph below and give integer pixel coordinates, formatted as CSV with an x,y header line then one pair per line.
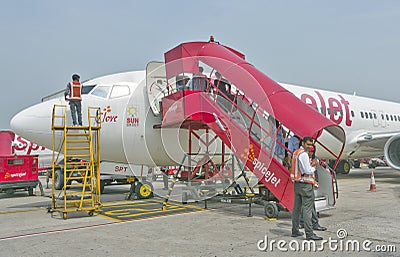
x,y
73,95
302,173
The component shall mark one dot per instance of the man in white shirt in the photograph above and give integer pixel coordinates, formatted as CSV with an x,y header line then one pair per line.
x,y
303,190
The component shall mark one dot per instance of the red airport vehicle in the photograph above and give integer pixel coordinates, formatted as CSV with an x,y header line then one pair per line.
x,y
16,171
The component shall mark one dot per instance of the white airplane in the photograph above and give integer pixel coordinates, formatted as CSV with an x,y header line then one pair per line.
x,y
129,113
372,126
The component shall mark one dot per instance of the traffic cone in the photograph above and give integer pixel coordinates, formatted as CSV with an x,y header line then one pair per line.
x,y
372,186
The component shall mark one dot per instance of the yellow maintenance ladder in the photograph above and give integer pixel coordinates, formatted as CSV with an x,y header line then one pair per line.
x,y
80,146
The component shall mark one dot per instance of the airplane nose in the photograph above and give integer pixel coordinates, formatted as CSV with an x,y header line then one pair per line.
x,y
34,124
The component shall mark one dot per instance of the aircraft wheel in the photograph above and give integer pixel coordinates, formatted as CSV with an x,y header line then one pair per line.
x,y
64,215
343,167
144,190
271,210
90,213
58,179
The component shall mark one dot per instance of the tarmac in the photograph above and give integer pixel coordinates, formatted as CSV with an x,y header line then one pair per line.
x,y
369,220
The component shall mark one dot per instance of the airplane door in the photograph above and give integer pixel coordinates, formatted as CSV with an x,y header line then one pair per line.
x,y
382,120
156,85
377,122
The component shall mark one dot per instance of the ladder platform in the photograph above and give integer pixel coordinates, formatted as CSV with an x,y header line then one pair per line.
x,y
92,127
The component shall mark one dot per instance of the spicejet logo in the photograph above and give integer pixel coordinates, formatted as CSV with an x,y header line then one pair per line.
x,y
249,153
268,176
21,145
107,116
330,107
7,175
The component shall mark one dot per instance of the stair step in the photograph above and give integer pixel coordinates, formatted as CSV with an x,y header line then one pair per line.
x,y
80,185
77,155
77,135
78,163
77,140
78,148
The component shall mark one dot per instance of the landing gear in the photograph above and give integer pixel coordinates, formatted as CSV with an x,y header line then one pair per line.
x,y
58,179
144,190
343,167
140,190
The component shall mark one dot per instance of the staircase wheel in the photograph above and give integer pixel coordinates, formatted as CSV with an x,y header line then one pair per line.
x,y
271,210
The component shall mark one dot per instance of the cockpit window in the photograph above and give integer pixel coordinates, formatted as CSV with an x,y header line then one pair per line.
x,y
86,89
119,91
101,91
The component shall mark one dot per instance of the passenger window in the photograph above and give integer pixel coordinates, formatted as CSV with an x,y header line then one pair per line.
x,y
366,115
395,118
382,116
329,111
375,117
387,117
101,91
370,115
119,91
352,113
391,117
362,115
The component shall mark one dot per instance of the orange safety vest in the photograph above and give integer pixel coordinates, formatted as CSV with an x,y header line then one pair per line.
x,y
75,91
295,172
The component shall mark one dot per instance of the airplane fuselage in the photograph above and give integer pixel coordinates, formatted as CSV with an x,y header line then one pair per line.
x,y
128,133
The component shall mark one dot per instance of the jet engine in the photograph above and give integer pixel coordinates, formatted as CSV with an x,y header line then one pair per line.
x,y
392,152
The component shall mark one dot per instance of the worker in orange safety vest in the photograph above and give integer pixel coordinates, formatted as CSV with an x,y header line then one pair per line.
x,y
302,174
73,95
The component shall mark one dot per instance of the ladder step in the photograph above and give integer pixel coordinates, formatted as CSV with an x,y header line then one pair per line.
x,y
58,127
78,163
80,185
78,127
77,135
78,201
72,169
77,194
78,148
77,155
77,141
79,177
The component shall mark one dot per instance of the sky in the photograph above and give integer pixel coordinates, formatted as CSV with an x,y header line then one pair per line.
x,y
343,45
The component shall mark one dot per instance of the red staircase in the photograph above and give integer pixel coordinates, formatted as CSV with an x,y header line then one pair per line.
x,y
241,120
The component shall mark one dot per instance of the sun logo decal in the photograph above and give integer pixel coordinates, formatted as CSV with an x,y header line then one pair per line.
x,y
132,119
7,175
132,110
249,153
